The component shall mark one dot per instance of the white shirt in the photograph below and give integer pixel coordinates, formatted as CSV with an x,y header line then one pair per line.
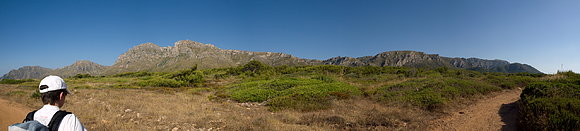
x,y
69,123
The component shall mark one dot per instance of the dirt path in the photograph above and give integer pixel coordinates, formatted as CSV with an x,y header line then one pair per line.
x,y
494,113
11,113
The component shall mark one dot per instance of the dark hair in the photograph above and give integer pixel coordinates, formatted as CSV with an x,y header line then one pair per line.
x,y
52,96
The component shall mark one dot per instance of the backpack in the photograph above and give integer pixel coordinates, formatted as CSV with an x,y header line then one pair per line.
x,y
29,124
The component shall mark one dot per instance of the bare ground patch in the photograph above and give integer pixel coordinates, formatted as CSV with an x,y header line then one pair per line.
x,y
492,113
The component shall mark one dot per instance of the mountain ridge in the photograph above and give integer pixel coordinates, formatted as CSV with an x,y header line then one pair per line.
x,y
185,54
421,59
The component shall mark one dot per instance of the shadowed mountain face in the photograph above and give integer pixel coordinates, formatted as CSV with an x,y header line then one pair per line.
x,y
185,54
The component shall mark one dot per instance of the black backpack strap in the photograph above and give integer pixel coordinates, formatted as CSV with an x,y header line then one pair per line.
x,y
56,119
29,116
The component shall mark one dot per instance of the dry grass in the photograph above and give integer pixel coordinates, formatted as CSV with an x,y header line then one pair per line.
x,y
140,109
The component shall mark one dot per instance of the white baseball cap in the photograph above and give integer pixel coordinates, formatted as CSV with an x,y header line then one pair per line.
x,y
53,83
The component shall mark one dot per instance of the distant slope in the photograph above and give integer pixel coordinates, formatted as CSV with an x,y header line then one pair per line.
x,y
27,72
185,54
37,72
80,67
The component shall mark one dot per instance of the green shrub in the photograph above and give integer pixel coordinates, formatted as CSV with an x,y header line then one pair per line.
x,y
326,69
133,74
79,76
551,105
324,78
459,73
528,74
284,69
427,99
190,77
442,70
508,81
571,75
363,71
255,67
35,94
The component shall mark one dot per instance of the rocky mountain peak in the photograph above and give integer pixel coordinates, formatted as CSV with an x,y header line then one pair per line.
x,y
192,44
344,61
146,46
84,62
405,54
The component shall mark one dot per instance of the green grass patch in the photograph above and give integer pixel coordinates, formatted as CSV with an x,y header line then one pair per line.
x,y
304,94
12,81
161,82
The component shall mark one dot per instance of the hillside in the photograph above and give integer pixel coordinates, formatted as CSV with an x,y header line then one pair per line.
x,y
185,54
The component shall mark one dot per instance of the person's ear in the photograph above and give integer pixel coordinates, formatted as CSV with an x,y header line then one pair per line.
x,y
61,95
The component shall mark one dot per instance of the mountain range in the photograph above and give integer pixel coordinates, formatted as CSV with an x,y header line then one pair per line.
x,y
185,54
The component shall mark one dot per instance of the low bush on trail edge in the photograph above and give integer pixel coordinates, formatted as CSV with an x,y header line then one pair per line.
x,y
303,94
552,105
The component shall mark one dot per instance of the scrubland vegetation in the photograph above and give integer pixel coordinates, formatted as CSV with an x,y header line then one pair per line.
x,y
553,104
320,92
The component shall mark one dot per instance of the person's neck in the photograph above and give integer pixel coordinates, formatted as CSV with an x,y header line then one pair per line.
x,y
55,105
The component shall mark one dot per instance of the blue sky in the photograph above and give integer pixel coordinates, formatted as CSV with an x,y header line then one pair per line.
x,y
542,33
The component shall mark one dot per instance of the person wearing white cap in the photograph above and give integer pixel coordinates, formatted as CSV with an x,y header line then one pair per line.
x,y
53,91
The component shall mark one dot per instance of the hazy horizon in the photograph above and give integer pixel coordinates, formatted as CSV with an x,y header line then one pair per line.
x,y
53,34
